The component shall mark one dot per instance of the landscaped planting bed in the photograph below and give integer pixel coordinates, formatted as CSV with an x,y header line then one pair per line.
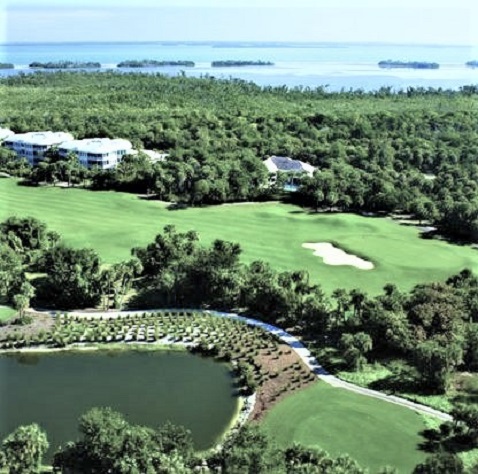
x,y
261,362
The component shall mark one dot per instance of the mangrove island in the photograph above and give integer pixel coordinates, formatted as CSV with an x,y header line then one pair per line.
x,y
64,65
232,63
389,64
154,63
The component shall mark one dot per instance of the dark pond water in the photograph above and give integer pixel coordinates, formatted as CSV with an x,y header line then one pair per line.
x,y
149,388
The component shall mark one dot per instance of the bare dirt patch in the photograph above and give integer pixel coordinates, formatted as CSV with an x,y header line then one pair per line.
x,y
284,373
41,322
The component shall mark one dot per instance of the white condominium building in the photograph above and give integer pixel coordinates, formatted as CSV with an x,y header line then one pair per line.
x,y
33,145
5,133
102,152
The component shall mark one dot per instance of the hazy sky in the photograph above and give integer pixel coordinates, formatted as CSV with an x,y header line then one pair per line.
x,y
396,21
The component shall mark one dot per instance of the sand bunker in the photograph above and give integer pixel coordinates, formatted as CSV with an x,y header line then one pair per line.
x,y
333,256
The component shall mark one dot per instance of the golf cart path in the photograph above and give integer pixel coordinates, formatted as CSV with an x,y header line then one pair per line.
x,y
301,351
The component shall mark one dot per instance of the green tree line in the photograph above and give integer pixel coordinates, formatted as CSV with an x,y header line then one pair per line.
x,y
108,443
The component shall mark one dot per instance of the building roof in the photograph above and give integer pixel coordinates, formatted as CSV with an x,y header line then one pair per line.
x,y
5,133
97,145
287,165
41,138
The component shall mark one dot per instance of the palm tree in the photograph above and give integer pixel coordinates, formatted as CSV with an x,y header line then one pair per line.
x,y
357,298
343,303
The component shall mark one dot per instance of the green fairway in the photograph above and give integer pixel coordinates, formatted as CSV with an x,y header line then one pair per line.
x,y
373,432
112,223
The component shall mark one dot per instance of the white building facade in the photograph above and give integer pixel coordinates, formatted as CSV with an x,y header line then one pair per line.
x,y
33,145
104,153
5,133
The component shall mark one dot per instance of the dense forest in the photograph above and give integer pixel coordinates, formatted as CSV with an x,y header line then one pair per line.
x,y
414,150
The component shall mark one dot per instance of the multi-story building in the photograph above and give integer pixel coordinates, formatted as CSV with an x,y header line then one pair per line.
x,y
105,153
5,133
33,145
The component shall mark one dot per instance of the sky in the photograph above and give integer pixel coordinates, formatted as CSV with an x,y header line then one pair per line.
x,y
389,21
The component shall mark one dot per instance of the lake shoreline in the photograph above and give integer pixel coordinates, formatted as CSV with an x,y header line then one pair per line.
x,y
245,405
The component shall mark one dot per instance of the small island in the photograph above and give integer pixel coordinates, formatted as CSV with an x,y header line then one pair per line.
x,y
6,66
472,64
153,63
64,65
389,64
233,63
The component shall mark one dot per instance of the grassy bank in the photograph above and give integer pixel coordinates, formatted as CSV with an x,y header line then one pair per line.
x,y
113,223
373,432
6,313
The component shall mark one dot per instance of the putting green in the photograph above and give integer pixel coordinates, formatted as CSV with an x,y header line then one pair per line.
x,y
373,432
113,223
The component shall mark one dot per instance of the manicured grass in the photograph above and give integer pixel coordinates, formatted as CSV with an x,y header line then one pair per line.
x,y
6,313
373,432
112,223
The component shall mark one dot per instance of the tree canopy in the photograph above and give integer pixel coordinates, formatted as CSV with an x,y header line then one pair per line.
x,y
413,150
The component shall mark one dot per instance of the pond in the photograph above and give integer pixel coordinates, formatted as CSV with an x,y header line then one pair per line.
x,y
149,387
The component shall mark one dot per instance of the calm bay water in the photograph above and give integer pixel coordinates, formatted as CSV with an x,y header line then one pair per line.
x,y
149,388
335,65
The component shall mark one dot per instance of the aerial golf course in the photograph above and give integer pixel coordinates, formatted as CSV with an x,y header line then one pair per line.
x,y
112,223
373,432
